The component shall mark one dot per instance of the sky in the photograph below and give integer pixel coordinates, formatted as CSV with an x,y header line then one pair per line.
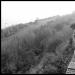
x,y
15,12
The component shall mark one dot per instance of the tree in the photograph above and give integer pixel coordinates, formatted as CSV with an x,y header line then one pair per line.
x,y
73,26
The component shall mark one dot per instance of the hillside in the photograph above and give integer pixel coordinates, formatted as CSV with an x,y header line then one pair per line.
x,y
40,47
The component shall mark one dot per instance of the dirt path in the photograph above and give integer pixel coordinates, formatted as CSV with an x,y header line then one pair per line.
x,y
71,67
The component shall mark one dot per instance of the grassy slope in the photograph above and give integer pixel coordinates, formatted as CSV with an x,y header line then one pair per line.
x,y
26,49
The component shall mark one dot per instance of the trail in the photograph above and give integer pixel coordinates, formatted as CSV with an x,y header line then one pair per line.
x,y
71,67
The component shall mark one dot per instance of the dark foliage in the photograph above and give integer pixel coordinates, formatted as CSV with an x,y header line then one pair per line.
x,y
73,26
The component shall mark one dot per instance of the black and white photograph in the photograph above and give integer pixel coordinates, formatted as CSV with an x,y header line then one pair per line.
x,y
37,37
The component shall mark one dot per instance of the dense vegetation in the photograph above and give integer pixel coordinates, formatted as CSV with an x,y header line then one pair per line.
x,y
43,49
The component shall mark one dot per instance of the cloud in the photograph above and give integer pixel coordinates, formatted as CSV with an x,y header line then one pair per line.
x,y
21,12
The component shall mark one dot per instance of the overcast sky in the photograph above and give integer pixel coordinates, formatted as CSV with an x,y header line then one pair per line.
x,y
14,12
